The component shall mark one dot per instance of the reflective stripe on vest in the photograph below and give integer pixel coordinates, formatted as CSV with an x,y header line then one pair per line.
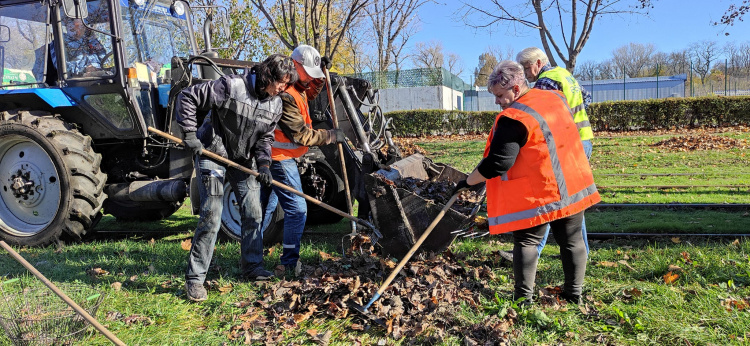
x,y
572,91
551,177
284,148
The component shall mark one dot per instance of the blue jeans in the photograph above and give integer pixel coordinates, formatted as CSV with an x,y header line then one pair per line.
x,y
587,148
247,190
295,208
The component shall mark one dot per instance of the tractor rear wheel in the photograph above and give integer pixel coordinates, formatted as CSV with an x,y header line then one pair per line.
x,y
230,220
50,180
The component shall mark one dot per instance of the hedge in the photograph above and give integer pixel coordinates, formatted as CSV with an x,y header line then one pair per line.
x,y
648,114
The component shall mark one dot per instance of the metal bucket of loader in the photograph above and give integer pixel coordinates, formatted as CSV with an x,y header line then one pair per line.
x,y
402,214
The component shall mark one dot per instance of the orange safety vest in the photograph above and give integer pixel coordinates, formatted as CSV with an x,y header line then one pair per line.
x,y
551,178
284,148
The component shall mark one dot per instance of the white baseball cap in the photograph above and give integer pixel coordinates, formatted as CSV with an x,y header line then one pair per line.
x,y
309,58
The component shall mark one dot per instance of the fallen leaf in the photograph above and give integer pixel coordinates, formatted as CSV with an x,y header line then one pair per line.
x,y
132,319
633,292
676,240
152,242
113,316
186,244
325,256
670,278
674,268
608,264
97,272
626,264
225,289
116,285
736,242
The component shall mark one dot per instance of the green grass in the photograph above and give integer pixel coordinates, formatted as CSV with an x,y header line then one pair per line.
x,y
636,155
689,311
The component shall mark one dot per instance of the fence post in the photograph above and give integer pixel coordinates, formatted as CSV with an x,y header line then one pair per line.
x,y
726,77
623,83
657,80
691,79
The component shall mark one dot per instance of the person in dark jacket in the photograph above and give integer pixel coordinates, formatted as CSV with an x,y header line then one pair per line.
x,y
242,113
293,135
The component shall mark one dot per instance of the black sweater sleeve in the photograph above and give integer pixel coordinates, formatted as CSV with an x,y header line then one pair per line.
x,y
510,135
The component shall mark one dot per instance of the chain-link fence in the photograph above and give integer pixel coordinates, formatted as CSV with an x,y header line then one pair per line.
x,y
417,77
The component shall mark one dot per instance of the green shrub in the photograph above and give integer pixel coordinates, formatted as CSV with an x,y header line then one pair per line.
x,y
670,113
648,114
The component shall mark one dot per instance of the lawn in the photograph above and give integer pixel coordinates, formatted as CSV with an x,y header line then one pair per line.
x,y
669,290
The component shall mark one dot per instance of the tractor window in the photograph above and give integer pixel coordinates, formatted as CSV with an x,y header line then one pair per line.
x,y
89,53
23,44
154,35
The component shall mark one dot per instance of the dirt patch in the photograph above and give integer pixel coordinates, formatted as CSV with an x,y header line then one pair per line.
x,y
692,142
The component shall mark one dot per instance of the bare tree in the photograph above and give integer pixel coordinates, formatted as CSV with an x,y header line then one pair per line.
x,y
319,23
703,53
547,16
393,23
676,62
455,64
633,58
428,55
501,53
735,12
586,70
245,39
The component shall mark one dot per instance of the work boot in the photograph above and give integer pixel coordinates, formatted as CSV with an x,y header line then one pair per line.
x,y
195,291
259,274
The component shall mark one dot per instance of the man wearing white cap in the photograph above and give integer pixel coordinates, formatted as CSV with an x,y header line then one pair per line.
x,y
293,134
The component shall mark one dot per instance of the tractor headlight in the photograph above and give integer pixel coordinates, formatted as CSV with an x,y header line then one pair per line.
x,y
178,8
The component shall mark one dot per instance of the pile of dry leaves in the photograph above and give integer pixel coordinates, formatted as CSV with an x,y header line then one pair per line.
x,y
440,191
421,303
701,142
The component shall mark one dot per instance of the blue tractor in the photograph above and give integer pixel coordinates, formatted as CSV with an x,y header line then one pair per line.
x,y
82,80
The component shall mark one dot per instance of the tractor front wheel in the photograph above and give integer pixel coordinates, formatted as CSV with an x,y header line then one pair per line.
x,y
50,180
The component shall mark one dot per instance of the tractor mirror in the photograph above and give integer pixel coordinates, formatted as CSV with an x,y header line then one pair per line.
x,y
75,8
4,33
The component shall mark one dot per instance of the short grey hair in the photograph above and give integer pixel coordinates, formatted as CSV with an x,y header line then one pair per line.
x,y
506,74
531,55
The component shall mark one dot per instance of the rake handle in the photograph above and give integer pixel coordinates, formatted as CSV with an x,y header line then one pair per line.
x,y
235,165
413,249
335,121
102,329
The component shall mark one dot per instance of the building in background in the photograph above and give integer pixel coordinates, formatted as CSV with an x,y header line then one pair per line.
x,y
636,88
421,88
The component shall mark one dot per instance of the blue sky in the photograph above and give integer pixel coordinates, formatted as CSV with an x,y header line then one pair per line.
x,y
671,25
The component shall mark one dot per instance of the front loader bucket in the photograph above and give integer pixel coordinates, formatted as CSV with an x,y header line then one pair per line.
x,y
402,215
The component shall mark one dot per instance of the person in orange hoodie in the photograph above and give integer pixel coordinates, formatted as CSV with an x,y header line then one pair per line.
x,y
292,137
537,174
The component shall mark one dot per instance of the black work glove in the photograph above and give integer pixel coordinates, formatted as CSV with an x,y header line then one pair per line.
x,y
264,176
193,143
460,186
338,136
325,62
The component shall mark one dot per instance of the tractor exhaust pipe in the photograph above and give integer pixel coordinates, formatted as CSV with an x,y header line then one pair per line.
x,y
170,190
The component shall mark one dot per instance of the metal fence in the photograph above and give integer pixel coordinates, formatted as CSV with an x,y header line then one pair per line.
x,y
417,77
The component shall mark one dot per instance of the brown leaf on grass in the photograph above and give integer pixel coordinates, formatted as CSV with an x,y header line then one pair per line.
x,y
116,285
113,316
321,339
357,327
626,264
326,256
674,268
96,272
686,257
676,240
608,264
670,277
736,242
133,319
186,244
736,304
152,242
225,289
631,293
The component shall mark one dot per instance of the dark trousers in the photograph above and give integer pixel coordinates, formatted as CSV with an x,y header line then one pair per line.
x,y
567,233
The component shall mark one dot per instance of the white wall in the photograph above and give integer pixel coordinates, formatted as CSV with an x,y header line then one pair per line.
x,y
429,97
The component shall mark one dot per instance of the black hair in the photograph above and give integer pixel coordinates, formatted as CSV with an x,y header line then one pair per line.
x,y
274,69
